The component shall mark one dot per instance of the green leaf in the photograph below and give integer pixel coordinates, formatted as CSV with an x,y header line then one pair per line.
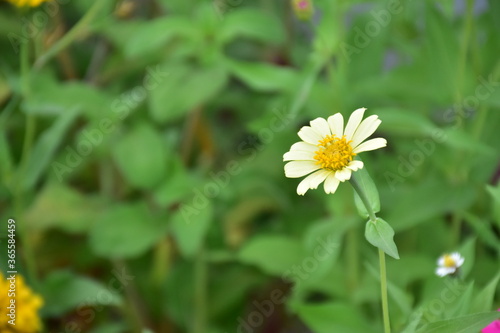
x,y
400,297
441,48
334,317
326,38
264,77
59,206
50,97
495,195
151,36
64,291
459,139
274,255
322,241
380,234
175,186
366,184
462,305
147,167
483,301
426,200
191,223
464,324
45,148
6,165
468,251
483,229
404,122
185,88
414,321
110,328
125,231
252,24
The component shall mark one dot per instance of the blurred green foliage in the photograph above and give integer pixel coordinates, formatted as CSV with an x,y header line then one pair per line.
x,y
141,148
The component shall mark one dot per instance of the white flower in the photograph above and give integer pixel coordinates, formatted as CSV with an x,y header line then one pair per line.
x,y
449,263
327,150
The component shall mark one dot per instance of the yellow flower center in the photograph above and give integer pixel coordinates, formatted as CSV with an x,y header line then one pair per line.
x,y
334,153
448,261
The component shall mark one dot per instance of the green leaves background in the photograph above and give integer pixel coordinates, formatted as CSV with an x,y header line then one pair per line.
x,y
116,152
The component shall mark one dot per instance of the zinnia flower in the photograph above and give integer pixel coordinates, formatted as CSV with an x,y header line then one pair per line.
x,y
26,3
26,303
328,150
449,264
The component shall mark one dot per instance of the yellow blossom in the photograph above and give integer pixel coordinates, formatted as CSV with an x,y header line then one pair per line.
x,y
26,303
26,3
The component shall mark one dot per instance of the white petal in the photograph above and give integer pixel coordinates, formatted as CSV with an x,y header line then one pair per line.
x,y
336,123
309,135
365,129
320,126
331,183
440,261
370,145
457,258
355,165
303,146
442,271
312,181
297,169
353,123
343,174
298,156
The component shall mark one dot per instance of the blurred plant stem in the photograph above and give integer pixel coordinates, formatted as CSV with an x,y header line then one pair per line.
x,y
460,171
29,136
464,46
352,256
301,96
200,292
162,262
132,307
456,227
483,111
77,31
381,255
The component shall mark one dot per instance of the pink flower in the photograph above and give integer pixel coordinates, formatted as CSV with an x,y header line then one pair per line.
x,y
494,327
304,9
303,4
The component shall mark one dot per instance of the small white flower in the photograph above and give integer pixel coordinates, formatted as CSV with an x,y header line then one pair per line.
x,y
327,150
449,263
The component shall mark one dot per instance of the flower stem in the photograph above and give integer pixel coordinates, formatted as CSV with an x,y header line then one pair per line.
x,y
383,291
381,254
352,258
19,194
77,31
364,199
